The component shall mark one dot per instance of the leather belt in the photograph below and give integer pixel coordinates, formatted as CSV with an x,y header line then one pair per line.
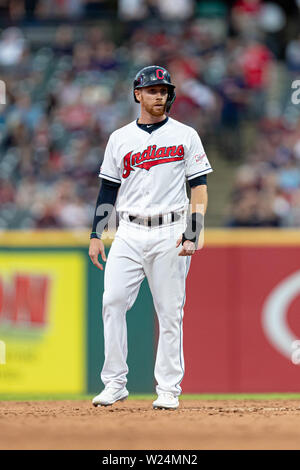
x,y
156,220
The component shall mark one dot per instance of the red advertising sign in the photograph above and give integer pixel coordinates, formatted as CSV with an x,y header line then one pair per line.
x,y
242,319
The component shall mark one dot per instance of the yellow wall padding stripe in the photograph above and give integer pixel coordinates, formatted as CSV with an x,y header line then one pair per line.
x,y
212,237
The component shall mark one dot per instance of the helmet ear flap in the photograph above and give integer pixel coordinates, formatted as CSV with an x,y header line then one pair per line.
x,y
135,98
170,100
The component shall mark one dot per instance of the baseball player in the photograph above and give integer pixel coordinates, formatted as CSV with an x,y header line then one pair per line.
x,y
145,168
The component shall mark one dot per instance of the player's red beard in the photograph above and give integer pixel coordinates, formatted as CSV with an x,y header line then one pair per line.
x,y
153,105
154,109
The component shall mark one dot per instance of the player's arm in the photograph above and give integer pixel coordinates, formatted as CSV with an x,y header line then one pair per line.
x,y
195,222
199,199
104,206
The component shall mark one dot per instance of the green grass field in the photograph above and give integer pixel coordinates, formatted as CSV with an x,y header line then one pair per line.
x,y
210,396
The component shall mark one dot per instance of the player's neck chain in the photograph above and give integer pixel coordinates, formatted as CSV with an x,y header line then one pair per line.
x,y
151,127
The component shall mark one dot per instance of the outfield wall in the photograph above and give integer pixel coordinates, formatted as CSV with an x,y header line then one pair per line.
x,y
242,314
241,319
50,318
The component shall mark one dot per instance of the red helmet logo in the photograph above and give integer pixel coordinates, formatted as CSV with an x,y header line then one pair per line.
x,y
160,74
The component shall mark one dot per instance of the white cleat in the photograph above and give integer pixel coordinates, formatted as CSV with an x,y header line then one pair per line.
x,y
166,401
109,396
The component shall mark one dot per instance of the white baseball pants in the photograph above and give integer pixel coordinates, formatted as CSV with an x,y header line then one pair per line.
x,y
136,252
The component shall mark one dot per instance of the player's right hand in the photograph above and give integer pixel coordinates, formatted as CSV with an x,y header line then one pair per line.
x,y
96,248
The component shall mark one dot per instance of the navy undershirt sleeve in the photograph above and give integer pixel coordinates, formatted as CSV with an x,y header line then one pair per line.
x,y
104,206
198,181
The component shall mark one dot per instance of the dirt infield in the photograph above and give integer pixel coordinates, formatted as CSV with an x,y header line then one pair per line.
x,y
238,424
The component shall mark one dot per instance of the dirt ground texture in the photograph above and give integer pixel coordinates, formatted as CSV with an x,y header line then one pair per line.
x,y
238,424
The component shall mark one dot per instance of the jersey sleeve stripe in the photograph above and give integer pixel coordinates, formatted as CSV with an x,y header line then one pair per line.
x,y
203,172
110,178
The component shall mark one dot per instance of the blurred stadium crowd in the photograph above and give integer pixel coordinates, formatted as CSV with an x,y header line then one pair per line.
x,y
67,91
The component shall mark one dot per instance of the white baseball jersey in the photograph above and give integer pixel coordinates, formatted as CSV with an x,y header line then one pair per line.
x,y
152,168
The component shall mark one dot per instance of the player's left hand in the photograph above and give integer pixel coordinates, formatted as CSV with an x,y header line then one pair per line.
x,y
188,248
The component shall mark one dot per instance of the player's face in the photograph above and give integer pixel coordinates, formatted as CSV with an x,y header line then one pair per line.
x,y
153,99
